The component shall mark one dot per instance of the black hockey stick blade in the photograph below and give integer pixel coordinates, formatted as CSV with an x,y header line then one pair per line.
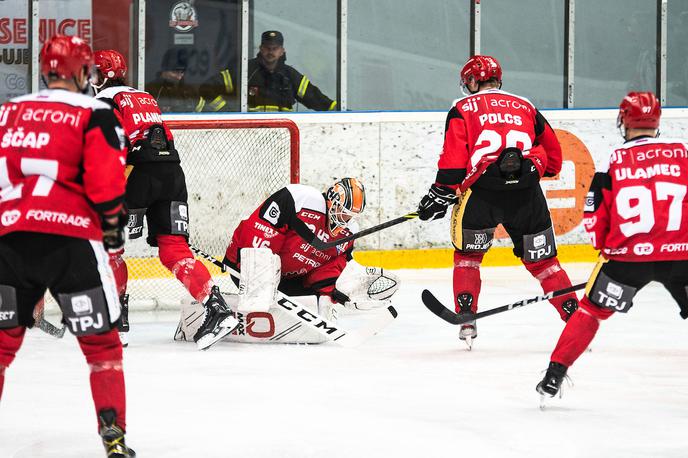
x,y
320,245
439,309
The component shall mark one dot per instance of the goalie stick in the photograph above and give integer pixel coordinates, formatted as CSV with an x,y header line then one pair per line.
x,y
320,245
331,331
439,309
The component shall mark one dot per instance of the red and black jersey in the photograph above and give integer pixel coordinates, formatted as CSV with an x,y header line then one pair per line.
x,y
283,223
62,161
150,138
637,206
479,127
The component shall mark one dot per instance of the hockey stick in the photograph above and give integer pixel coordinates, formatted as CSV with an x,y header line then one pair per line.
x,y
331,331
320,245
439,309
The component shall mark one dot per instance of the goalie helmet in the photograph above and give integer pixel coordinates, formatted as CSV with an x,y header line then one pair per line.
x,y
639,110
65,57
345,199
478,69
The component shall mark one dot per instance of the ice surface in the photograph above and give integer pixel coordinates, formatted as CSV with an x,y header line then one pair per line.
x,y
413,391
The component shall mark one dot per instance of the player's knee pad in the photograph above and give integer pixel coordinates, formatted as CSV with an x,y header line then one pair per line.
x,y
587,307
9,308
537,247
610,294
362,283
89,312
101,349
172,249
135,222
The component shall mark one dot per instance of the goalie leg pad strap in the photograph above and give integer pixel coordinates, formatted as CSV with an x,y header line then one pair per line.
x,y
260,277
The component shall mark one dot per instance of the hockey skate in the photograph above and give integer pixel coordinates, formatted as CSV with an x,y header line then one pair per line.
x,y
551,383
469,330
123,325
113,436
218,321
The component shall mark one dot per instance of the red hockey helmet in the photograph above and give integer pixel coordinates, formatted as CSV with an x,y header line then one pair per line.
x,y
65,57
110,63
480,68
639,110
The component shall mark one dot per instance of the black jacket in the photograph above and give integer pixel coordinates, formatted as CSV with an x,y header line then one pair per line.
x,y
279,90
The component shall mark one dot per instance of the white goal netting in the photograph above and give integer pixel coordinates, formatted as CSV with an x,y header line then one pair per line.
x,y
231,166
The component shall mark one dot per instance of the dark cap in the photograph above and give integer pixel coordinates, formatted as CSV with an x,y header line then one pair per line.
x,y
272,37
175,59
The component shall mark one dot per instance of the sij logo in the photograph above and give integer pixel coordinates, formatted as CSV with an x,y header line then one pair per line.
x,y
614,290
82,305
539,241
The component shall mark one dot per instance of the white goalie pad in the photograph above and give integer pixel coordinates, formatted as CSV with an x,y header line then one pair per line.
x,y
273,326
362,284
260,276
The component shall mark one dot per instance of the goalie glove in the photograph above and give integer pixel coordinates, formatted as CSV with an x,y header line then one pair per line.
x,y
365,288
435,203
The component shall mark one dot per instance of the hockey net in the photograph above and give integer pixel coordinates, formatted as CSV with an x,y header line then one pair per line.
x,y
231,166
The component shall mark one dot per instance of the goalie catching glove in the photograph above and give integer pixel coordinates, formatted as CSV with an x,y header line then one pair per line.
x,y
365,288
435,203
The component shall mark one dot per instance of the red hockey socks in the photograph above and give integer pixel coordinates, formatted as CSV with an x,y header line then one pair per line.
x,y
119,269
467,277
176,256
103,353
10,342
552,277
577,335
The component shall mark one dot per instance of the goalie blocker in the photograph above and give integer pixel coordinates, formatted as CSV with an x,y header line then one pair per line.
x,y
359,288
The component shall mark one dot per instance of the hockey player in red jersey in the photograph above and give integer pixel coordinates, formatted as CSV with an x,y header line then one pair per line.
x,y
637,215
156,189
496,148
62,159
270,249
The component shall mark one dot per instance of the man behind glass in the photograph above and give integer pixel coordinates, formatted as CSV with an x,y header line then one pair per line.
x,y
275,86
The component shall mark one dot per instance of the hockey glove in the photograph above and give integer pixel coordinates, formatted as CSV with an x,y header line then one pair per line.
x,y
435,203
114,230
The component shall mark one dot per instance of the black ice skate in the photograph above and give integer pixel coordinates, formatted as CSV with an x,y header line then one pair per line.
x,y
569,307
469,330
113,436
551,383
218,321
123,325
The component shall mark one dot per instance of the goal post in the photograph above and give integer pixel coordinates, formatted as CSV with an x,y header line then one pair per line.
x,y
230,166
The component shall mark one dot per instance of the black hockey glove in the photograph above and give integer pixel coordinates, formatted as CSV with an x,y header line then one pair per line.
x,y
114,230
434,204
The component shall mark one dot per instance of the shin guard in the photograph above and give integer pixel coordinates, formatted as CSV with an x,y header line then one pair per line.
x,y
119,269
577,335
467,279
552,277
103,353
176,256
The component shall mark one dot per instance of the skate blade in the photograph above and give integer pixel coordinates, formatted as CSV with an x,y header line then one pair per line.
x,y
209,340
543,405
